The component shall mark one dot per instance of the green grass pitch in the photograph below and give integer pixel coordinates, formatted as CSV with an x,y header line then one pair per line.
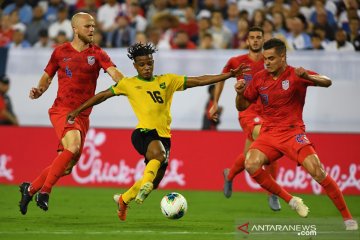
x,y
89,213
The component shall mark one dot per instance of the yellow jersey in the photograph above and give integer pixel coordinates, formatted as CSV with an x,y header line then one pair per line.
x,y
151,99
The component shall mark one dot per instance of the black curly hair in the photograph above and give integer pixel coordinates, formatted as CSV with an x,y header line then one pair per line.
x,y
139,49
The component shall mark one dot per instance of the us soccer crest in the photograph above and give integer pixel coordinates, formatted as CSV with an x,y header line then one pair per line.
x,y
285,84
91,60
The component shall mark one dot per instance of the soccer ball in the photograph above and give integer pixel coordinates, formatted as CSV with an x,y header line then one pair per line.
x,y
173,205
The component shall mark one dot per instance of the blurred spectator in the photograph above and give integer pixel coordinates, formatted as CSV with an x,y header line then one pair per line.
x,y
140,37
320,8
182,41
98,39
258,18
239,40
250,6
204,24
124,34
222,35
154,36
354,32
88,6
63,24
279,23
7,116
232,18
60,39
306,8
340,44
6,31
38,23
268,28
19,40
137,21
44,40
180,10
52,7
157,6
106,18
316,42
321,22
297,38
24,9
350,10
277,6
168,24
191,25
208,122
206,42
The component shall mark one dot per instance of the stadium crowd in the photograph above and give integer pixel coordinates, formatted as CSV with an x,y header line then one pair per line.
x,y
330,25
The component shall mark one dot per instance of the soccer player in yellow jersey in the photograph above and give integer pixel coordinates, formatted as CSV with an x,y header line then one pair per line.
x,y
150,97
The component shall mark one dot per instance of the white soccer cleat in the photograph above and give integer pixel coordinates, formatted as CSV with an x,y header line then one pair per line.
x,y
116,198
297,204
351,225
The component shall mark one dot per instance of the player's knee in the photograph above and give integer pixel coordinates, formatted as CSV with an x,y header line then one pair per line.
x,y
319,174
252,165
156,154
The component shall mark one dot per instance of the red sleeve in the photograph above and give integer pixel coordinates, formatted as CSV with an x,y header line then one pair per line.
x,y
228,66
251,93
2,103
52,65
104,59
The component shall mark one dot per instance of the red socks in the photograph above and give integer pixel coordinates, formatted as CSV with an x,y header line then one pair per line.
x,y
334,193
57,170
39,181
237,167
268,183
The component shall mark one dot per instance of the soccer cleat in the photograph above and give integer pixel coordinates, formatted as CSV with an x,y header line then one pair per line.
x,y
297,204
351,225
144,191
227,183
42,200
274,202
122,206
25,197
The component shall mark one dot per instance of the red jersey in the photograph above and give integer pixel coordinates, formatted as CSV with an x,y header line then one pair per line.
x,y
77,74
282,99
234,62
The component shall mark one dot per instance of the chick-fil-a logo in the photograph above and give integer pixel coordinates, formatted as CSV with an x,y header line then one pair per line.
x,y
299,179
5,171
91,168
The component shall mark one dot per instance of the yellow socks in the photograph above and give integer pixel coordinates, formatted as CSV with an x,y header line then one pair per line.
x,y
130,194
150,171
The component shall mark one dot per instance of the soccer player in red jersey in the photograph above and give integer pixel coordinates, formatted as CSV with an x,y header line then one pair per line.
x,y
282,89
77,64
250,120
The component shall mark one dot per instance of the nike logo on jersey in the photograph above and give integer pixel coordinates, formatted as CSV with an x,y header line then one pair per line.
x,y
162,85
66,59
263,88
138,87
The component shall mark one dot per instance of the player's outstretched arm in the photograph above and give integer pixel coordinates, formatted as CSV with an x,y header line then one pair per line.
x,y
43,85
98,98
318,80
209,79
115,74
241,102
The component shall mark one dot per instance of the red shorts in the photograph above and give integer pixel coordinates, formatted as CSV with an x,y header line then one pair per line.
x,y
248,123
292,143
61,126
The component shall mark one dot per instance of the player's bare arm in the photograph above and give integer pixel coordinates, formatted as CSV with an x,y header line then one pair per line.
x,y
114,73
209,79
43,85
98,98
319,80
241,102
